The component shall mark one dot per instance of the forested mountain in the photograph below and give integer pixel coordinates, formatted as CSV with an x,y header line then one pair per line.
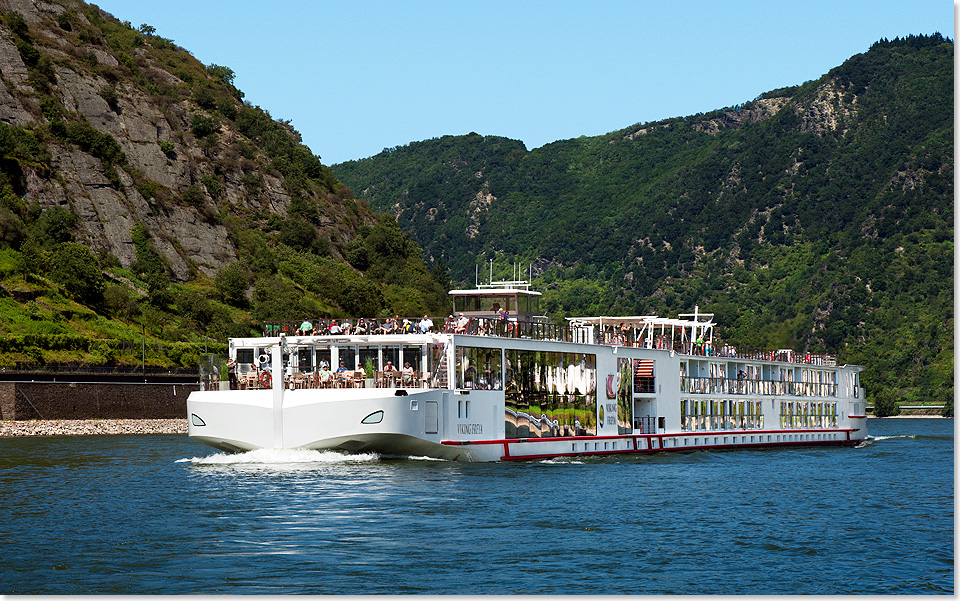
x,y
142,197
817,217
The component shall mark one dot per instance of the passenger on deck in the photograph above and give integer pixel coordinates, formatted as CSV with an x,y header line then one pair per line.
x,y
325,374
426,324
390,326
361,328
334,328
232,374
306,329
345,327
407,373
342,367
461,326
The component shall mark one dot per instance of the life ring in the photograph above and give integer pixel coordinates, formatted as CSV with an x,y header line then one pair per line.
x,y
266,380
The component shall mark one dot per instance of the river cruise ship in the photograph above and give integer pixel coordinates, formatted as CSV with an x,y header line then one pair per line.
x,y
497,381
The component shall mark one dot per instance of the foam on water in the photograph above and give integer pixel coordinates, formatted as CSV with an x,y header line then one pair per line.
x,y
878,438
281,457
869,440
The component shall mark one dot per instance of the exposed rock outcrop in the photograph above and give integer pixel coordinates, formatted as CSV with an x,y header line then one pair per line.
x,y
148,110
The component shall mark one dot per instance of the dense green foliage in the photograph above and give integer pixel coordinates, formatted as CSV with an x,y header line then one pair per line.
x,y
825,226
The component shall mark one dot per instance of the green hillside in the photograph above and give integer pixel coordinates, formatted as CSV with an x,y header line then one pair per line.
x,y
818,217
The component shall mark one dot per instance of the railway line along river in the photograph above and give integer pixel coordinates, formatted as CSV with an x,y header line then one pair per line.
x,y
161,514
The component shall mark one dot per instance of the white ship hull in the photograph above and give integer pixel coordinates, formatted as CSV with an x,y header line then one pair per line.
x,y
244,421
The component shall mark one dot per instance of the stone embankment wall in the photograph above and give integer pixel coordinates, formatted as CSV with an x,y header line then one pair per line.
x,y
93,400
83,427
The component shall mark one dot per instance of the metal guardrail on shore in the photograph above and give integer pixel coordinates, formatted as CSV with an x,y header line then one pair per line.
x,y
98,370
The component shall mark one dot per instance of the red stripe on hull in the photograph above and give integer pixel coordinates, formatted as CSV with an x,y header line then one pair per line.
x,y
636,448
726,447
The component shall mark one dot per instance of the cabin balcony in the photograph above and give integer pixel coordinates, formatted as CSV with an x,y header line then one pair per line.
x,y
739,386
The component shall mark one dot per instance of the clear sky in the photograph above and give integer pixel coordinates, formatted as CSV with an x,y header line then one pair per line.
x,y
358,76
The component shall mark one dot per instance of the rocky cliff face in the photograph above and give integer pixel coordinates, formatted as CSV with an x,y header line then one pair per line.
x,y
174,182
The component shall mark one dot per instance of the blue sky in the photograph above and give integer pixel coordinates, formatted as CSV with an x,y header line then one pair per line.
x,y
356,77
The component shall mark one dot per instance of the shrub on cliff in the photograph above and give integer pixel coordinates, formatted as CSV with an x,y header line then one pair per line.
x,y
232,284
77,269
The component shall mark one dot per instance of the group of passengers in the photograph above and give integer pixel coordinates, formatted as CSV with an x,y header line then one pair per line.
x,y
391,325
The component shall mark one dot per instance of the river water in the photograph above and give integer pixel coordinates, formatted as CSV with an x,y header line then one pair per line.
x,y
161,514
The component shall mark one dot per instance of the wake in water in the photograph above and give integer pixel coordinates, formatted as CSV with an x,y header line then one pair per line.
x,y
869,440
282,457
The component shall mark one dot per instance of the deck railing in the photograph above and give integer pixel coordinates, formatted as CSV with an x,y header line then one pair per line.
x,y
695,385
480,326
259,379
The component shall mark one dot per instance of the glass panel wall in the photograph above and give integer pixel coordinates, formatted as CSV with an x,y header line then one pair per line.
x,y
305,359
391,354
479,368
625,397
411,355
323,358
368,353
550,394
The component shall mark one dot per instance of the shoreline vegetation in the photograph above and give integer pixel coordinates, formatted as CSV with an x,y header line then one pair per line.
x,y
100,427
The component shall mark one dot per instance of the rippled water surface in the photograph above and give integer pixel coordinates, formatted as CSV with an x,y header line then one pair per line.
x,y
162,514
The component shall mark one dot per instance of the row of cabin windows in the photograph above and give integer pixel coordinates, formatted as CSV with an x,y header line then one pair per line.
x,y
696,414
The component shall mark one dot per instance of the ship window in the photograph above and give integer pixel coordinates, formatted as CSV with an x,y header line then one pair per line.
x,y
374,418
479,368
550,394
624,397
391,353
244,355
411,355
369,353
323,357
466,303
305,359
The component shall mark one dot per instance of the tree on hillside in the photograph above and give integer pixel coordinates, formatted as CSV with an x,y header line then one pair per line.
x,y
77,269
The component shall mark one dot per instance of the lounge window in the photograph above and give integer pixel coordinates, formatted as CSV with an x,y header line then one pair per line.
x,y
479,368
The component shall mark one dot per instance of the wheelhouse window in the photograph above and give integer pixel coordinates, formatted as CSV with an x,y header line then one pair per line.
x,y
245,355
